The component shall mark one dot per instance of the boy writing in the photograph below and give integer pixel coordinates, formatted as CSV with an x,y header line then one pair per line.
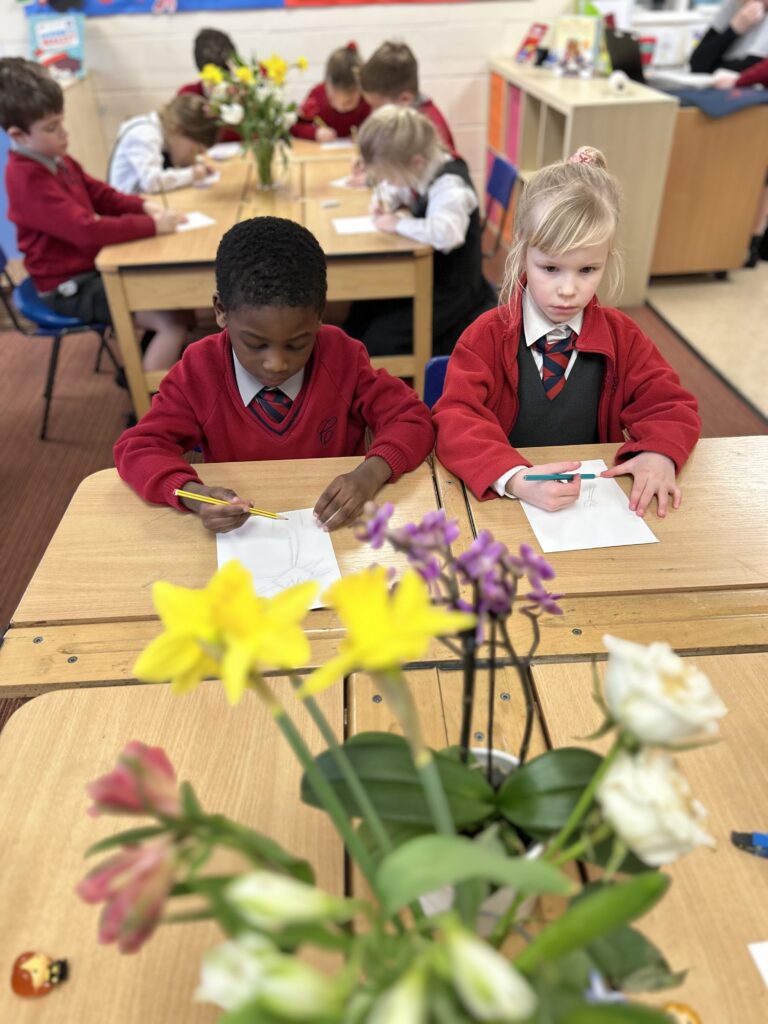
x,y
274,384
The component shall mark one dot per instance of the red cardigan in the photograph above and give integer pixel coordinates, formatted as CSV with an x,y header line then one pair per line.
x,y
756,75
317,105
64,219
342,396
641,394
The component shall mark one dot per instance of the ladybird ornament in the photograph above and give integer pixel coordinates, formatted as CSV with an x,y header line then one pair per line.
x,y
35,974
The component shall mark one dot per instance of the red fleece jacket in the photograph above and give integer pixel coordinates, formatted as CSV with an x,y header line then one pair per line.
x,y
64,219
342,396
317,105
641,395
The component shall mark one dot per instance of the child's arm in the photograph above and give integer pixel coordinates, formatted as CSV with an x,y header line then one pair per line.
x,y
654,475
342,501
444,226
142,148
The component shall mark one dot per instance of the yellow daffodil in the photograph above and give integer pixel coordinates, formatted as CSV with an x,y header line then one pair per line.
x,y
384,629
212,74
244,74
302,63
276,69
225,629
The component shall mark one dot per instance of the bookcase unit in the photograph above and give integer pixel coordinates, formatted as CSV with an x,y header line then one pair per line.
x,y
536,118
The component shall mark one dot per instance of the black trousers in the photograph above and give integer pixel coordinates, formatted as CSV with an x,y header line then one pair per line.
x,y
89,303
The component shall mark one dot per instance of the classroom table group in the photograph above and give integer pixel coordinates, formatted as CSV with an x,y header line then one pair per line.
x,y
88,612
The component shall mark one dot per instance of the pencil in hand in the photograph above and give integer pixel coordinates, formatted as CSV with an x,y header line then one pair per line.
x,y
220,501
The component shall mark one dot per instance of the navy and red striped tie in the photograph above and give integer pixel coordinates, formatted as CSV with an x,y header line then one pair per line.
x,y
274,402
556,355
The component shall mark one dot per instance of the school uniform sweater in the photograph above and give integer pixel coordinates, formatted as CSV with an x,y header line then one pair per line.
x,y
317,105
341,397
425,106
64,217
640,394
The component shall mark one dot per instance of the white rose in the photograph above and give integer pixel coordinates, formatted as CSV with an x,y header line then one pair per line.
x,y
232,972
271,901
404,1003
232,113
220,91
656,695
487,984
648,802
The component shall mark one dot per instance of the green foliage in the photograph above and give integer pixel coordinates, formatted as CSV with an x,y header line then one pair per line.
x,y
539,796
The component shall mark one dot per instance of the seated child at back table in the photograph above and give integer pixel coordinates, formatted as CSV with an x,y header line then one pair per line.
x,y
335,108
551,366
212,47
274,384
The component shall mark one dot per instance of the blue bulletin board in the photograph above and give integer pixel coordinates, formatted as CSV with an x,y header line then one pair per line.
x,y
105,8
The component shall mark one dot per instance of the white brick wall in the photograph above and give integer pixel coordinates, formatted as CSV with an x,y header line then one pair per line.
x,y
137,62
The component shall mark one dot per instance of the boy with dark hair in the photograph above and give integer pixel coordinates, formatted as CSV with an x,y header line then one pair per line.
x,y
274,384
391,75
64,217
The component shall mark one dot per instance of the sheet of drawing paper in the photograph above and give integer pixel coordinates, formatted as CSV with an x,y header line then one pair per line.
x,y
354,225
194,220
599,519
338,144
280,553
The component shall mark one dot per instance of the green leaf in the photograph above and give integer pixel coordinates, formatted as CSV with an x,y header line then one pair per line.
x,y
597,913
629,962
431,861
385,767
616,1013
540,795
259,849
128,838
189,801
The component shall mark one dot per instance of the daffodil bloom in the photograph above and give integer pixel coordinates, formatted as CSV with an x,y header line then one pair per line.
x,y
244,74
225,630
385,629
302,63
276,69
212,74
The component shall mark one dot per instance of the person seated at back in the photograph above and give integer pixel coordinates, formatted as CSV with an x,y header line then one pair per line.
x,y
335,108
391,75
63,216
736,39
425,194
551,366
274,384
212,47
163,150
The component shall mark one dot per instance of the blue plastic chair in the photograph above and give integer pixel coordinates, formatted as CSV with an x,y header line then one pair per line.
x,y
434,379
47,324
501,183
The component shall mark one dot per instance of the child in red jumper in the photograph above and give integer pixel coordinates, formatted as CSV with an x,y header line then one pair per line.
x,y
274,384
551,366
336,107
212,47
64,217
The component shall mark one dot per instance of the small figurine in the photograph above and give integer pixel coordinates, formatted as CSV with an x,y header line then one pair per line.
x,y
681,1014
35,974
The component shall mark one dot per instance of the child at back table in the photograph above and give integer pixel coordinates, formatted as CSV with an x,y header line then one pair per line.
x,y
212,46
274,384
64,217
551,366
335,108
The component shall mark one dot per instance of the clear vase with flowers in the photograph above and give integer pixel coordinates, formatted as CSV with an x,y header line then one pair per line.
x,y
415,819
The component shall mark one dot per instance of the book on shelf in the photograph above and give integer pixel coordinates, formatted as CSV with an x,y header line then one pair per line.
x,y
531,43
56,42
575,44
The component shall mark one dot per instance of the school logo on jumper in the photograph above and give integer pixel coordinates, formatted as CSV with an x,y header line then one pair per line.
x,y
326,429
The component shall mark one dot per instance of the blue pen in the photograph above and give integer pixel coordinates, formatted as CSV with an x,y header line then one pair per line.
x,y
752,842
559,476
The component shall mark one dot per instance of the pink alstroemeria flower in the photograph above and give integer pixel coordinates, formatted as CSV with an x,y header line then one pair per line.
x,y
134,885
143,782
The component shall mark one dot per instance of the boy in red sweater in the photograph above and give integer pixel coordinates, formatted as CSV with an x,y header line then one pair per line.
x,y
64,217
551,366
336,107
274,384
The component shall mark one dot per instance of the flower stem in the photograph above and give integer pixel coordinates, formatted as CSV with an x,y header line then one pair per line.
x,y
491,699
525,685
582,845
506,922
469,649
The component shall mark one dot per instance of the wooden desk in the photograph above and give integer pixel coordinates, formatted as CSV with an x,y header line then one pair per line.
x,y
718,902
236,176
704,586
57,743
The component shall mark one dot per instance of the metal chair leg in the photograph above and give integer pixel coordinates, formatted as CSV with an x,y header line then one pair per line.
x,y
104,346
48,393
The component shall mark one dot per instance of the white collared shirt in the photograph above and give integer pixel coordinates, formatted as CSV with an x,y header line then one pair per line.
x,y
249,386
535,326
136,164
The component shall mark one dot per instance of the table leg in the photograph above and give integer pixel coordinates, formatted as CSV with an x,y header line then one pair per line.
x,y
422,317
122,322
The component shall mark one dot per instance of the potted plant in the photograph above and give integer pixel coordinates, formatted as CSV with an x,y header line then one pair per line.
x,y
414,819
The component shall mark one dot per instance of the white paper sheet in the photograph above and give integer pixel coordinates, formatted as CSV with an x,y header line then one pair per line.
x,y
354,225
348,182
194,220
224,150
759,953
279,554
599,519
208,180
338,144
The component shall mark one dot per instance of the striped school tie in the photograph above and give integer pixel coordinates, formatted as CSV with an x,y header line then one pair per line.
x,y
274,402
556,355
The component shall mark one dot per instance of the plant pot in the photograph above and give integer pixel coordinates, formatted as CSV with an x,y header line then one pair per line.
x,y
496,905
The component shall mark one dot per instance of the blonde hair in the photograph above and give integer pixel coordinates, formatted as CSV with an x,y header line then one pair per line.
x,y
187,115
566,206
392,136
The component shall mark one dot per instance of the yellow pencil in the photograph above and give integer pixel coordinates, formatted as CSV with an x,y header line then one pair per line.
x,y
318,122
220,501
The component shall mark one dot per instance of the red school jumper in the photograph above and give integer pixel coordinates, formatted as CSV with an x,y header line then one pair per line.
x,y
641,394
63,219
432,113
317,105
342,395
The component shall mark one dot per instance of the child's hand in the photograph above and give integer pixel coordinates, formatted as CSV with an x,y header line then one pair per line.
x,y
201,170
325,134
724,79
550,495
342,500
358,176
386,222
166,221
217,518
653,474
748,15
151,208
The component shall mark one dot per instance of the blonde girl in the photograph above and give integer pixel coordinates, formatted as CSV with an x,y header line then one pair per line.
x,y
425,194
553,367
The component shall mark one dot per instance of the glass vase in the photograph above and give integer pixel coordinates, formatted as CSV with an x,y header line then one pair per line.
x,y
265,153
